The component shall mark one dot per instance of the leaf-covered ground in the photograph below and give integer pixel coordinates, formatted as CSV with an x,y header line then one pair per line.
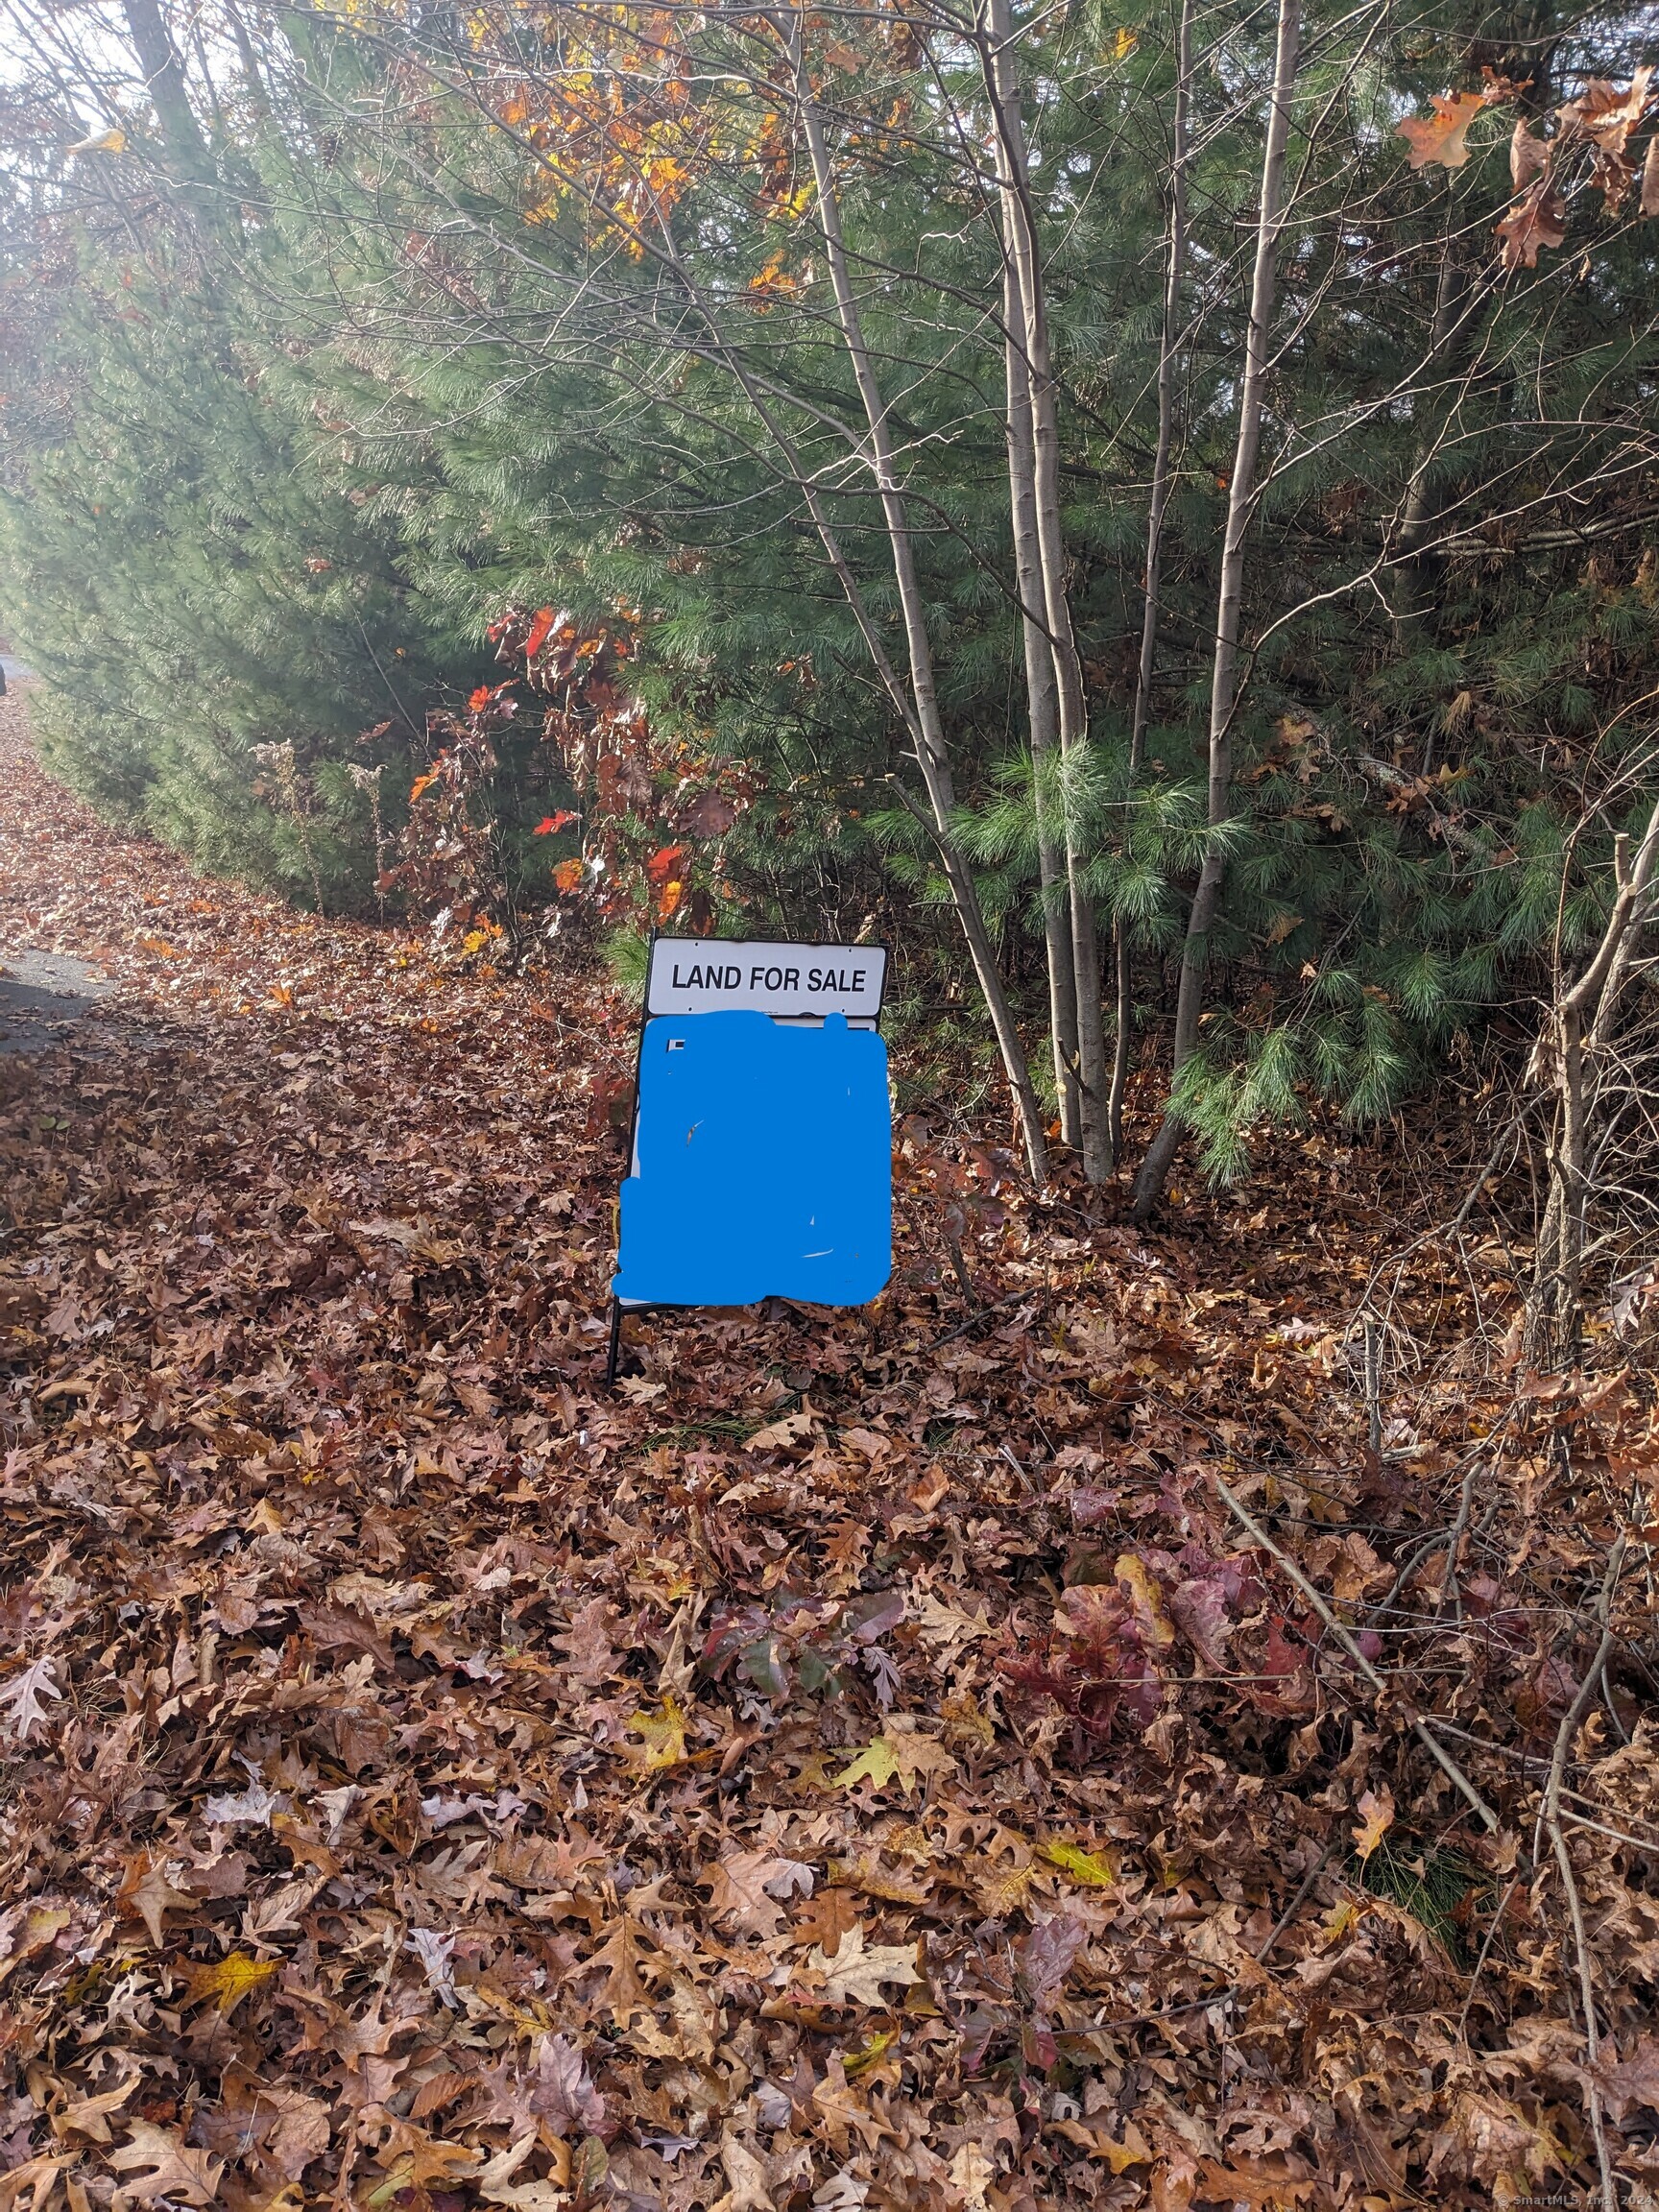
x,y
865,1762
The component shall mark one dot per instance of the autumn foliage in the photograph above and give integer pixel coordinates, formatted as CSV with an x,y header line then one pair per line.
x,y
864,1761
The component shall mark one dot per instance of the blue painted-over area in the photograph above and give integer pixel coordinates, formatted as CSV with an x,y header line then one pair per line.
x,y
764,1164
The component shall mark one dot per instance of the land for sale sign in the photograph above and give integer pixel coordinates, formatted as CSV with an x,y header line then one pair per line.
x,y
762,1136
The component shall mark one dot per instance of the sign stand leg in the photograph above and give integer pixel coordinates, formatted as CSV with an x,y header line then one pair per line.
x,y
613,1358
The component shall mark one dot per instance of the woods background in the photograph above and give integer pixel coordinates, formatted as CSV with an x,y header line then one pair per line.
x,y
1149,513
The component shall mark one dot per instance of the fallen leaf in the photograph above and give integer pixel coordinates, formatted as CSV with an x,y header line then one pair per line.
x,y
856,1973
89,2116
20,1697
793,1428
147,1894
738,1886
1376,1817
302,2131
663,1734
1631,2083
904,1751
1085,1867
227,1982
747,2176
156,2163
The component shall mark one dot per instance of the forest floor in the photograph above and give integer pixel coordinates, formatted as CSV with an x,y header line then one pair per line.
x,y
867,1761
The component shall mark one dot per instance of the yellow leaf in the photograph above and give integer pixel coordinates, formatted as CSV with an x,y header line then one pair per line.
x,y
1148,1599
104,142
227,1983
1343,1915
875,1763
1125,44
1085,1867
857,2062
903,1751
1132,2150
663,1734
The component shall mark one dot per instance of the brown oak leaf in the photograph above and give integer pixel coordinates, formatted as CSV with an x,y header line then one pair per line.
x,y
147,1894
157,2163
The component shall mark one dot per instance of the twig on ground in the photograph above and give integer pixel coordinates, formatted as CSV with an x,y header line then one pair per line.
x,y
984,1313
1617,1835
1550,1820
1373,1384
1449,1591
1619,1729
1420,1550
1436,1751
1485,1951
1296,1903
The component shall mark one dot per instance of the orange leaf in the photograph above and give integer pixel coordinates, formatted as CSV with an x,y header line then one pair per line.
x,y
568,875
662,863
1441,136
540,629
1376,1817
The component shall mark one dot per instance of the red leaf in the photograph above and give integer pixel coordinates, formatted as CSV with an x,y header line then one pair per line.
x,y
551,823
541,626
663,864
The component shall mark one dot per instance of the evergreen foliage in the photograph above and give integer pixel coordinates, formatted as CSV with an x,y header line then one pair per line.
x,y
271,488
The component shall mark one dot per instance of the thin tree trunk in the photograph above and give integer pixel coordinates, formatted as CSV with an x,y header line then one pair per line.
x,y
1224,679
1020,237
1042,716
1167,346
1412,578
1580,1033
927,726
188,153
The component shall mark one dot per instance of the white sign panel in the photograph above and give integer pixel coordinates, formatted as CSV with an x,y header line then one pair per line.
x,y
711,975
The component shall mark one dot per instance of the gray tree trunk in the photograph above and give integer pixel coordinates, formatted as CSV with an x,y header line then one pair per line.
x,y
1169,347
932,753
1019,236
1043,718
1224,678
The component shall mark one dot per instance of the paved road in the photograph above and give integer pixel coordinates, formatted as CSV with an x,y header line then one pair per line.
x,y
40,995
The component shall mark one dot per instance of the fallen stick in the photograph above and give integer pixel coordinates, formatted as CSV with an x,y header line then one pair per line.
x,y
1295,1904
1550,1820
1437,1751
